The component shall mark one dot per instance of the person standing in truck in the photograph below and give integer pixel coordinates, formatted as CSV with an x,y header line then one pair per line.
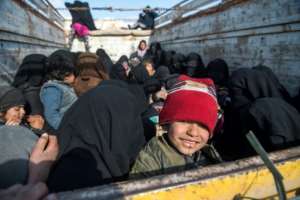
x,y
82,22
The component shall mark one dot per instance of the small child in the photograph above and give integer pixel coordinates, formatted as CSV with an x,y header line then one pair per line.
x,y
16,138
190,115
57,94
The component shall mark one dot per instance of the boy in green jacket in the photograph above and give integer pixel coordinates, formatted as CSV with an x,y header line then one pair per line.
x,y
190,114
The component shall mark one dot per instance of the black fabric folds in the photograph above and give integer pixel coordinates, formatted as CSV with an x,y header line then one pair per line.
x,y
162,73
101,134
276,123
82,16
218,71
31,72
271,75
139,74
118,72
247,85
104,59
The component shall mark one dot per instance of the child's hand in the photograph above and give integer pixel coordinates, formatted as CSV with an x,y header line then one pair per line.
x,y
36,121
13,122
42,157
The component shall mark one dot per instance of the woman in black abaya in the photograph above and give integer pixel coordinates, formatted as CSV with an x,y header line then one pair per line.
x,y
99,137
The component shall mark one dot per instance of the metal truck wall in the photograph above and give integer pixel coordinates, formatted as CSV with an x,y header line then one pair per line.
x,y
26,29
243,32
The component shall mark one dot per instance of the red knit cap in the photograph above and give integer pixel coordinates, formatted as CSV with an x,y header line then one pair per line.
x,y
192,100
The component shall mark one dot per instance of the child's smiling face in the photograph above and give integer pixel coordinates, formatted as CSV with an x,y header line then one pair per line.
x,y
188,137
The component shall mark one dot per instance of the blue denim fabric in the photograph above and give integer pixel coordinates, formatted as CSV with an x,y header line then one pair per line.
x,y
57,98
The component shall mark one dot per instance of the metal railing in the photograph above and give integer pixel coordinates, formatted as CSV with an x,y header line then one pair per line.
x,y
184,9
45,8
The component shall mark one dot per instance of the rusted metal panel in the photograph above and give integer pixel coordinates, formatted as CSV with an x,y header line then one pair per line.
x,y
247,177
23,31
244,33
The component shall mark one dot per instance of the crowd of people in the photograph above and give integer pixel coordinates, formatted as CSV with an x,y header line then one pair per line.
x,y
76,120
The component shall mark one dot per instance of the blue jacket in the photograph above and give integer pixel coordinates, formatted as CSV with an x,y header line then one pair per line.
x,y
57,97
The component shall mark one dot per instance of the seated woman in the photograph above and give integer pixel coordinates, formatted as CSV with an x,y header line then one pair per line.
x,y
91,71
190,114
57,94
275,123
16,139
99,137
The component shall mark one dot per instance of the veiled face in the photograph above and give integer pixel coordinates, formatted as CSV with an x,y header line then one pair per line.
x,y
188,137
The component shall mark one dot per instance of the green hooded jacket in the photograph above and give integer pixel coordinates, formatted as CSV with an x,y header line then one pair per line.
x,y
160,157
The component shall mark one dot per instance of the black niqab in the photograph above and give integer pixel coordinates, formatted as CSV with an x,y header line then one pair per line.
x,y
105,59
102,132
194,65
178,63
218,71
118,72
139,75
31,72
156,52
162,73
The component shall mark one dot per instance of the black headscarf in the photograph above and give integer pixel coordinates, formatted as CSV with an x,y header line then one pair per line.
x,y
83,16
118,72
122,59
151,86
218,71
247,85
31,72
156,52
178,63
276,123
168,59
162,73
139,74
194,66
105,59
10,97
29,78
66,54
102,133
